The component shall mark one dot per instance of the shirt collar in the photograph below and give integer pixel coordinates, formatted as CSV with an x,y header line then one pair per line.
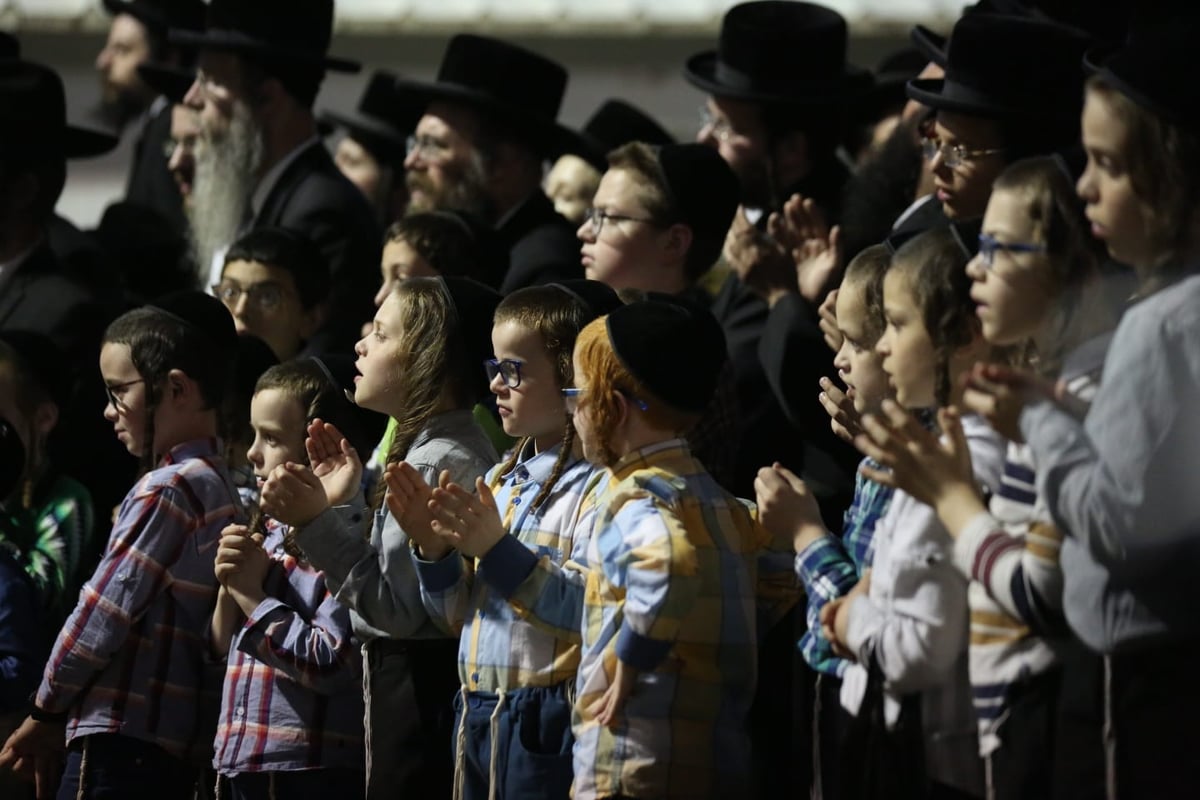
x,y
537,467
442,424
196,448
651,455
267,184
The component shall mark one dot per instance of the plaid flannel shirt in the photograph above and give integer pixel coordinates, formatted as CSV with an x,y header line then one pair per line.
x,y
132,657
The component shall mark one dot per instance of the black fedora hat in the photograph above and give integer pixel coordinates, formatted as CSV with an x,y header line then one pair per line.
x,y
159,16
10,46
1155,67
887,93
33,114
933,44
520,88
283,31
383,121
1003,66
779,52
615,123
169,81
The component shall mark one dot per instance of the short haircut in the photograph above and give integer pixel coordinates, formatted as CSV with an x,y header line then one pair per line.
x,y
867,270
452,242
291,252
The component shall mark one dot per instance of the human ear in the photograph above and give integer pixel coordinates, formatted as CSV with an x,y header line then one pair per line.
x,y
679,239
179,386
45,418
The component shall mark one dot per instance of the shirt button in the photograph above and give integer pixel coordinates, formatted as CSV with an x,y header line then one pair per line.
x,y
474,677
516,501
239,712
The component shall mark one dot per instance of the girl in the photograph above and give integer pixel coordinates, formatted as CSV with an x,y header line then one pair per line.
x,y
514,712
421,366
1121,482
292,709
129,675
905,622
47,519
1035,274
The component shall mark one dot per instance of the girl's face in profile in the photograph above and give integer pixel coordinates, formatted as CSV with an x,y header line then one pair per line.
x,y
909,357
858,364
380,358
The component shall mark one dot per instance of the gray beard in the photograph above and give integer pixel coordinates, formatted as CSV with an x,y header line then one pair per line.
x,y
467,193
226,174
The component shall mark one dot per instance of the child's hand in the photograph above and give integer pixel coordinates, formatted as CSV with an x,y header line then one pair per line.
x,y
786,508
608,708
999,394
34,752
915,460
334,462
293,495
407,500
469,523
243,563
835,617
827,312
839,405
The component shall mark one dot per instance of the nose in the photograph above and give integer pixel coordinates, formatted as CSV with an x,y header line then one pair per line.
x,y
1085,186
241,306
976,269
110,410
194,98
883,347
498,385
254,455
360,347
103,59
412,158
587,231
841,359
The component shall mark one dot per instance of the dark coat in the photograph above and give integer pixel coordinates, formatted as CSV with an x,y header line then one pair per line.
x,y
150,183
541,243
314,198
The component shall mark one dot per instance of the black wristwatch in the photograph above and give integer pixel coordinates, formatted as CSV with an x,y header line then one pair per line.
x,y
41,715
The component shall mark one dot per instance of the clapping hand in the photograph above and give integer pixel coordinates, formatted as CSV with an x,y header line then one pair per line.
x,y
335,463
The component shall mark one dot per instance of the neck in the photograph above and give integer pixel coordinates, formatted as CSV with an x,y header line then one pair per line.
x,y
202,425
667,278
284,135
546,441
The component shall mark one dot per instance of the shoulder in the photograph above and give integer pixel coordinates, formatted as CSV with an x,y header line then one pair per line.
x,y
1172,313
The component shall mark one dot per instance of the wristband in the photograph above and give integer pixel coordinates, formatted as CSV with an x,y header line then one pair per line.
x,y
41,715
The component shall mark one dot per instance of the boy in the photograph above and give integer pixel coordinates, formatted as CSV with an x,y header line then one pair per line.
x,y
275,283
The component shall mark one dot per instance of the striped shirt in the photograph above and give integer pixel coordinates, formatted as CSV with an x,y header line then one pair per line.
x,y
829,567
1011,555
498,649
293,686
132,657
671,593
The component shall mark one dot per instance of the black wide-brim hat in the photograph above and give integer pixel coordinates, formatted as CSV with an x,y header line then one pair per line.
x,y
1004,66
614,124
383,120
33,114
279,31
519,88
933,45
169,81
779,52
161,15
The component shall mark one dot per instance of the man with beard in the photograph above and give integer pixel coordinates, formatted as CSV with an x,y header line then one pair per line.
x,y
138,35
488,126
259,160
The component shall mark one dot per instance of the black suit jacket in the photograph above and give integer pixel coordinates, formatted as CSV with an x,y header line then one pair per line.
x,y
150,183
312,197
541,243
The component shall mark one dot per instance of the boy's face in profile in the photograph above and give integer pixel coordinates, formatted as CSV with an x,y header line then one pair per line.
x,y
265,303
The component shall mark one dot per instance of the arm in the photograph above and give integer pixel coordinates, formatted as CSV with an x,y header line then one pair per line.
x,y
148,537
445,589
226,619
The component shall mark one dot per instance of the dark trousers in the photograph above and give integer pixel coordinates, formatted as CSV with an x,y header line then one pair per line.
x,y
411,685
109,766
1022,768
1079,763
781,717
533,741
308,784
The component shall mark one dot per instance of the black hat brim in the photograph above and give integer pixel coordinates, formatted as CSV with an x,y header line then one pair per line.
x,y
931,92
546,134
79,142
701,71
377,136
172,83
579,143
231,41
932,45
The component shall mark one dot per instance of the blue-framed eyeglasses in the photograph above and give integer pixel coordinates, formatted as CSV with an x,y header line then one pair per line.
x,y
507,368
571,398
990,245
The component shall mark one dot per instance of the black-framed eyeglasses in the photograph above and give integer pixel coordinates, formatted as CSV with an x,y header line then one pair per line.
x,y
954,156
571,398
426,148
507,368
597,217
267,296
990,245
112,389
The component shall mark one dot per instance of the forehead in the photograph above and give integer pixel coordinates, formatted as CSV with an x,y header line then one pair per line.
x,y
511,338
116,363
248,273
1008,212
851,300
276,408
128,30
620,186
963,129
224,68
738,112
897,288
442,118
184,122
399,251
1102,128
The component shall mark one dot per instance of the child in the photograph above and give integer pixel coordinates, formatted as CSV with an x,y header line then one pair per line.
x,y
1121,482
830,566
1035,283
421,366
253,358
667,671
514,711
128,674
291,710
47,518
905,623
275,283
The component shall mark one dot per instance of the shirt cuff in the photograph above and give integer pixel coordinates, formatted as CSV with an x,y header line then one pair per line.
x,y
506,566
440,575
262,610
812,559
863,626
970,539
640,652
1033,415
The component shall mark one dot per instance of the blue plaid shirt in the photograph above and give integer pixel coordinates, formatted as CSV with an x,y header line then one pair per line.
x,y
829,567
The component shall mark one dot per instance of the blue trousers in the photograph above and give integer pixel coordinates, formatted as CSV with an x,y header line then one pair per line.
x,y
308,784
533,744
114,767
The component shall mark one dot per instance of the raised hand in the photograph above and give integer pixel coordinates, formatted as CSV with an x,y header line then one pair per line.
x,y
471,523
607,710
786,508
408,499
335,463
843,416
293,495
814,247
999,393
827,314
761,262
242,566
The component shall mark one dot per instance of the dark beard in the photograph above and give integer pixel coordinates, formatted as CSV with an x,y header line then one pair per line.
x,y
467,191
881,190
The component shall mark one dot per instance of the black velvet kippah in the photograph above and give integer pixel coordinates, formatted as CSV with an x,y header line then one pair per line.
x,y
597,297
673,347
702,186
203,313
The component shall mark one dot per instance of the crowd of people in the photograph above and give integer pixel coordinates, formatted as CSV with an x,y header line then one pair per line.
x,y
439,449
